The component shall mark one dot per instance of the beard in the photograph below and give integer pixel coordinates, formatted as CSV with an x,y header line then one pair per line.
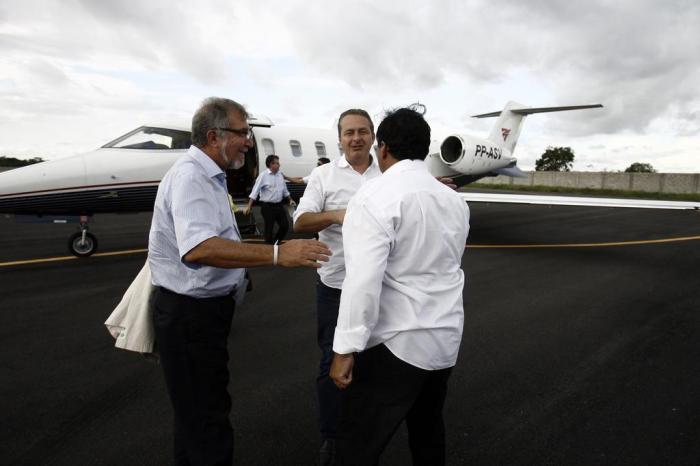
x,y
234,164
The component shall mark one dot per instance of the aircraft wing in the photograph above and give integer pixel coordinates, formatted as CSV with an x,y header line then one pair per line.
x,y
577,201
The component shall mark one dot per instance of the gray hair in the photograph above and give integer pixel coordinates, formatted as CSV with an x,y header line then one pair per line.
x,y
213,113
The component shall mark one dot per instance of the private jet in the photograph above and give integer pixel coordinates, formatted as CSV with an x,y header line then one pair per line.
x,y
123,175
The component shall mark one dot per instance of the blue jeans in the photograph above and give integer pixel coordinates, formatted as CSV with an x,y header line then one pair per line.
x,y
327,305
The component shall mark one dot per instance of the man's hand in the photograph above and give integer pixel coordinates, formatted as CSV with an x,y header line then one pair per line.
x,y
341,370
248,207
447,181
303,253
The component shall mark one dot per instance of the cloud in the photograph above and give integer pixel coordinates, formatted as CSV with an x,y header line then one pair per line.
x,y
303,62
638,58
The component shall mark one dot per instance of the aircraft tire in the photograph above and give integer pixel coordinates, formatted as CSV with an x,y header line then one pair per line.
x,y
82,250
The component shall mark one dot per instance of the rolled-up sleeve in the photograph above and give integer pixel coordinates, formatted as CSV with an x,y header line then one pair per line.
x,y
367,243
313,198
256,187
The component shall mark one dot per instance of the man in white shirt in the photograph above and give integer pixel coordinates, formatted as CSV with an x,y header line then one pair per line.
x,y
401,314
321,210
272,189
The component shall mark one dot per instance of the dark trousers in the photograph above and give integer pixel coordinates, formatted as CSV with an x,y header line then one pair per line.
x,y
274,213
327,304
384,392
191,336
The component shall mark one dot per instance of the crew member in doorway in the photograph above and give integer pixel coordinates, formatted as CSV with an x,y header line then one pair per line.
x,y
272,189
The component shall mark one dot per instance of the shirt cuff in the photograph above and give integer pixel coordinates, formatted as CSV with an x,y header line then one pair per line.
x,y
301,210
350,341
192,242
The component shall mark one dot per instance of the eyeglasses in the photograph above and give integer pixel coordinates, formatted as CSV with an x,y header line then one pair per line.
x,y
242,132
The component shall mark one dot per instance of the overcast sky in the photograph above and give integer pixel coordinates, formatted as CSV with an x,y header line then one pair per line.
x,y
75,74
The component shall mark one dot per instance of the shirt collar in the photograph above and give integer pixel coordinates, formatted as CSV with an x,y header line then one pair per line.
x,y
210,167
343,162
406,165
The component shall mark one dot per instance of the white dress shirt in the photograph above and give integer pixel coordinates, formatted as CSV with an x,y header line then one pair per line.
x,y
192,205
404,235
270,186
330,187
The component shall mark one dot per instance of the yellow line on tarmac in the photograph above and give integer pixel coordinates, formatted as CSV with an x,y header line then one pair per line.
x,y
468,246
580,245
97,254
69,258
37,261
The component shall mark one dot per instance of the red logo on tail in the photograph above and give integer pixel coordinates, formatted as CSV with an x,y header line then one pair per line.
x,y
505,132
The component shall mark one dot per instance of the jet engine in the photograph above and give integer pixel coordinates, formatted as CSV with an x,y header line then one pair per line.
x,y
473,156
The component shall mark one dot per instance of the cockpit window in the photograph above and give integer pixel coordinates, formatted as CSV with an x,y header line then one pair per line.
x,y
151,138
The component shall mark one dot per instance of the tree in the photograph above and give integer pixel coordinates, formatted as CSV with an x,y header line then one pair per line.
x,y
14,162
555,159
638,167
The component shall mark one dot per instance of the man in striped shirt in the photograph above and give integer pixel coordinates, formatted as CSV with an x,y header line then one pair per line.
x,y
198,264
272,189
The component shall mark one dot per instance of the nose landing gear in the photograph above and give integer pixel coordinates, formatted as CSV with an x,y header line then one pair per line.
x,y
82,243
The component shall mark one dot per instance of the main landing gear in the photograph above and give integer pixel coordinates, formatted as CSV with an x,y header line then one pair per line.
x,y
82,243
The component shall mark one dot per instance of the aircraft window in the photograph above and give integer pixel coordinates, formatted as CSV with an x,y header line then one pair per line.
x,y
152,139
296,148
320,149
268,146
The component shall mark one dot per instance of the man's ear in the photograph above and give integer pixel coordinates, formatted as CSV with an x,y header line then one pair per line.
x,y
211,137
383,151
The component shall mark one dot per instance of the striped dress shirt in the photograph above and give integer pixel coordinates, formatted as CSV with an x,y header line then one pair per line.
x,y
270,186
192,205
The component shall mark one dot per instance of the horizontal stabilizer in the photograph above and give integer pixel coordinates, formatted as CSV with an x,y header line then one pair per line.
x,y
513,171
528,111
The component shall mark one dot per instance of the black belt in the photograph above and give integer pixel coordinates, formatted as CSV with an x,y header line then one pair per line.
x,y
271,203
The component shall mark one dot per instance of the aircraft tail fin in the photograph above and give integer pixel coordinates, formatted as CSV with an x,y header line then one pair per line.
x,y
507,128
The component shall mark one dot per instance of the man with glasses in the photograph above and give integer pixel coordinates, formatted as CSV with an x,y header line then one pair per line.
x,y
272,189
198,263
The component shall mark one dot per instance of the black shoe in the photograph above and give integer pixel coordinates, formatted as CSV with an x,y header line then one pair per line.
x,y
326,454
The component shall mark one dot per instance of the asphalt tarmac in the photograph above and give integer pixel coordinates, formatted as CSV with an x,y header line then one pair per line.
x,y
584,353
